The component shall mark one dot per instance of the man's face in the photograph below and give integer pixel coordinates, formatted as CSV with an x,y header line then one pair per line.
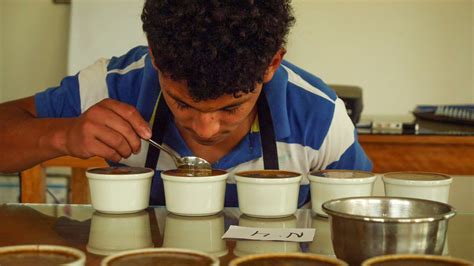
x,y
208,122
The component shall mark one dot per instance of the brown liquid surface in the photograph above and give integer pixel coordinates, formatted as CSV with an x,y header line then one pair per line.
x,y
193,172
120,170
35,258
417,176
268,174
416,262
279,261
162,258
342,174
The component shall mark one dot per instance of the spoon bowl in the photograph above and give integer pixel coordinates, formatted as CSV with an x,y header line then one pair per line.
x,y
191,163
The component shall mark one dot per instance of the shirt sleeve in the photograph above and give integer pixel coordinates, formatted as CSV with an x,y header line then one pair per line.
x,y
341,148
353,158
60,101
117,78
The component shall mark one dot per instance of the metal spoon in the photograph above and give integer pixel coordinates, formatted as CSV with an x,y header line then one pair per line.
x,y
191,163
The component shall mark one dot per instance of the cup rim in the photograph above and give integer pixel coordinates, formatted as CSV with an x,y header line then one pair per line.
x,y
369,174
380,219
194,179
79,254
109,258
263,180
387,178
235,262
391,257
338,180
119,177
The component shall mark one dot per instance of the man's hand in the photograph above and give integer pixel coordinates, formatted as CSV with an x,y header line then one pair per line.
x,y
109,129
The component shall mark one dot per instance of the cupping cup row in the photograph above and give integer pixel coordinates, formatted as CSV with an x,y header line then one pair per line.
x,y
59,255
261,193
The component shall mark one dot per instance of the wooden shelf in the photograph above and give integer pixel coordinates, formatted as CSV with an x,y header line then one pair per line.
x,y
452,155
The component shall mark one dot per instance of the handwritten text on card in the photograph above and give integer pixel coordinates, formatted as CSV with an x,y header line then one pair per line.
x,y
270,234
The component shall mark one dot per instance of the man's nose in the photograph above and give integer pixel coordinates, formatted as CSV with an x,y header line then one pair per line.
x,y
206,125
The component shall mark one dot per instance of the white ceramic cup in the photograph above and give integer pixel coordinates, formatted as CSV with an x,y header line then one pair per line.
x,y
268,193
160,257
334,184
421,185
194,195
250,247
112,233
119,189
41,255
196,233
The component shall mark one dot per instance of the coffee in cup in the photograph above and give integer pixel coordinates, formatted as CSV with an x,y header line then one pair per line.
x,y
160,256
415,259
282,259
41,255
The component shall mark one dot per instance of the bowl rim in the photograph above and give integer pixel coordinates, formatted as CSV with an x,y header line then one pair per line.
x,y
390,257
420,219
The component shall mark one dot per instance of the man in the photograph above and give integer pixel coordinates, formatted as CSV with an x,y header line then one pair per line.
x,y
212,84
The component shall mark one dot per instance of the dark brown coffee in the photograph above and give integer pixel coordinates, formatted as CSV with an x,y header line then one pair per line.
x,y
162,258
194,172
121,170
288,260
417,176
343,174
33,257
268,174
417,262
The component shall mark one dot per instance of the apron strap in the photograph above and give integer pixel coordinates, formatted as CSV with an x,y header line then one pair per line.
x,y
160,123
267,133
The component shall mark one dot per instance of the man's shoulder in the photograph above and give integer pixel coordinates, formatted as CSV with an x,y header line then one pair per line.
x,y
134,59
298,78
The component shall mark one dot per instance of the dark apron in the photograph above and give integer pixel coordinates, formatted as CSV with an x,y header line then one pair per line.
x,y
267,137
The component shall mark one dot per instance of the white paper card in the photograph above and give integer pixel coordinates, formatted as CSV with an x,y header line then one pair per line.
x,y
271,234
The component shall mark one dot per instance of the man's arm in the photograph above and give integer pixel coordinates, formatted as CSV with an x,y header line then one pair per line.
x,y
109,129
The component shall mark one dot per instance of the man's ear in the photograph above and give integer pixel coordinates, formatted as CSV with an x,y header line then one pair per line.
x,y
276,61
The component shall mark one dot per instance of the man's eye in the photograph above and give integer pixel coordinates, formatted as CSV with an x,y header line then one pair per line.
x,y
182,105
231,110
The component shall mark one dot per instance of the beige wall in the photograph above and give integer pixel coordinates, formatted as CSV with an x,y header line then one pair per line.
x,y
2,16
35,34
401,52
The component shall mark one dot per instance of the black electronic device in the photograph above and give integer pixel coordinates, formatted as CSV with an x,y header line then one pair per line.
x,y
352,98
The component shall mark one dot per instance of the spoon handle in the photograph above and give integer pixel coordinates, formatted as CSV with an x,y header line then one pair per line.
x,y
156,145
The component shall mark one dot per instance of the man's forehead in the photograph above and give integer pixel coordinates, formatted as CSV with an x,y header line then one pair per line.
x,y
223,101
179,90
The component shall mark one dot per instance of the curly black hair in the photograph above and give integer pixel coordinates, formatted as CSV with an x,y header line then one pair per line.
x,y
217,46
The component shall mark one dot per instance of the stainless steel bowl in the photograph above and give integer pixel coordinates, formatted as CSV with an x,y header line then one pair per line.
x,y
365,227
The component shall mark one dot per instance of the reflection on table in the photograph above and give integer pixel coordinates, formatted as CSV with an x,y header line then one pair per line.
x,y
99,234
